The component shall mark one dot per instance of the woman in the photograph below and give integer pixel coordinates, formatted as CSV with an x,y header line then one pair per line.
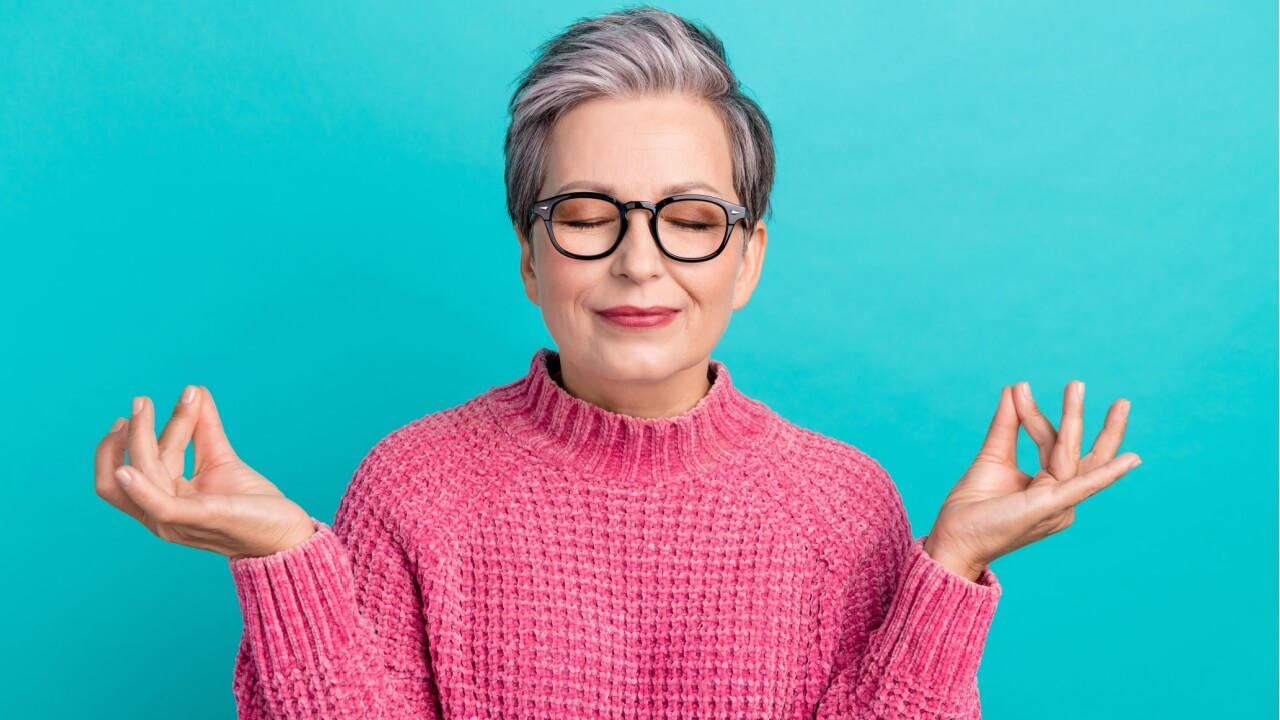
x,y
620,532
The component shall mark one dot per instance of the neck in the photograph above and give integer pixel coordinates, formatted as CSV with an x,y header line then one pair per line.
x,y
668,397
566,431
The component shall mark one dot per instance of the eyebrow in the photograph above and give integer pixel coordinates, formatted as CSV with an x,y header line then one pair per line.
x,y
608,189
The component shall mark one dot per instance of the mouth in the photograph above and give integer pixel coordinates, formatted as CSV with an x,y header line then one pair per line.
x,y
633,311
637,317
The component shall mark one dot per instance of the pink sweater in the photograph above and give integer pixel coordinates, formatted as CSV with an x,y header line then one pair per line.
x,y
527,554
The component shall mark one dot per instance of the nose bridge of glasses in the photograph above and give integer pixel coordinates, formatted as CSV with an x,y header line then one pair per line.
x,y
627,207
639,205
649,232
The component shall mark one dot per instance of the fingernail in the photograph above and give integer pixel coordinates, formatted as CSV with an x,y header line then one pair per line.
x,y
122,476
189,394
118,424
137,405
1136,463
1080,390
1026,390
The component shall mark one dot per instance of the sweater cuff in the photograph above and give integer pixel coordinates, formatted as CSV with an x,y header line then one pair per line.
x,y
937,625
296,603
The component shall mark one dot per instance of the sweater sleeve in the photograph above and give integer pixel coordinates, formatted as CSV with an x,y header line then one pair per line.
x,y
930,625
333,627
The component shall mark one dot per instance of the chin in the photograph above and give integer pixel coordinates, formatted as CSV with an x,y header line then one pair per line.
x,y
636,360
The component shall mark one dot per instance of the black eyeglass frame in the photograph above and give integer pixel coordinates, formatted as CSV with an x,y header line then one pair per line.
x,y
733,214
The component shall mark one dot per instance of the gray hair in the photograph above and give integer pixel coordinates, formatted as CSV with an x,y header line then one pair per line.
x,y
635,51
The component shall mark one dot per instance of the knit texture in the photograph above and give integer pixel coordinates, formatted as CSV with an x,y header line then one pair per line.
x,y
528,554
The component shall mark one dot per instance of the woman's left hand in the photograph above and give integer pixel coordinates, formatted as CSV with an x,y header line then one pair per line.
x,y
996,508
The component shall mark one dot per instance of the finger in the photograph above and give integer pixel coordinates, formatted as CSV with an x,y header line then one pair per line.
x,y
159,508
1001,443
1073,491
144,454
1038,426
109,456
212,445
1113,429
177,432
1064,459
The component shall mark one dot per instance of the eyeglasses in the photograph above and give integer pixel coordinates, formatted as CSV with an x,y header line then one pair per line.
x,y
590,225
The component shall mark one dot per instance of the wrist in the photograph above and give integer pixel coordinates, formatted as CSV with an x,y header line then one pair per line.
x,y
303,533
300,533
956,563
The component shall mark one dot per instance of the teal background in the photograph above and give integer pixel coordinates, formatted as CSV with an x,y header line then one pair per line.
x,y
301,206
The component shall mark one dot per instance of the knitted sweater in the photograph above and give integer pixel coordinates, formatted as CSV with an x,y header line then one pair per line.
x,y
528,554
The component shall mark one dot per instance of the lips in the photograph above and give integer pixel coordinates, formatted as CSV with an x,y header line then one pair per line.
x,y
634,317
633,311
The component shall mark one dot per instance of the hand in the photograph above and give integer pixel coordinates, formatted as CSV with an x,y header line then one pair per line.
x,y
996,508
226,507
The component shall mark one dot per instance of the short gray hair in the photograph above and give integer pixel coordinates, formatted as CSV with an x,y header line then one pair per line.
x,y
635,51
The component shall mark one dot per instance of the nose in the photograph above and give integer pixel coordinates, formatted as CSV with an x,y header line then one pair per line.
x,y
638,255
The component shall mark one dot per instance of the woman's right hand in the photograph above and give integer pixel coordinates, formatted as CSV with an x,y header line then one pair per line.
x,y
226,507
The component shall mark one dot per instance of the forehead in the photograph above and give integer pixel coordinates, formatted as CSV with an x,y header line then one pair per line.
x,y
641,145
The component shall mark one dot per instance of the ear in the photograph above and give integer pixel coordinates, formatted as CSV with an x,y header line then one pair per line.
x,y
752,262
528,272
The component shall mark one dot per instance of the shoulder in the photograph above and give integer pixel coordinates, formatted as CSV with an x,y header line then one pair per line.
x,y
433,436
430,439
844,478
417,462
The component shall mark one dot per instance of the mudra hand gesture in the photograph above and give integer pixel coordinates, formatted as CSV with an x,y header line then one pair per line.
x,y
996,508
226,507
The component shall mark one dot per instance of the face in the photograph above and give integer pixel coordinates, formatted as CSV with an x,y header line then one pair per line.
x,y
637,149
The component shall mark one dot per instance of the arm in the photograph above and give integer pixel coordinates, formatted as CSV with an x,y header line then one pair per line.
x,y
921,658
333,627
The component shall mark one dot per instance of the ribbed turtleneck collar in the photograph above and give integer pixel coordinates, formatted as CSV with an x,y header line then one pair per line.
x,y
563,429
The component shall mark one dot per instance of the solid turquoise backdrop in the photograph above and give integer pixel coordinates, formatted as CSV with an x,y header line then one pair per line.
x,y
301,206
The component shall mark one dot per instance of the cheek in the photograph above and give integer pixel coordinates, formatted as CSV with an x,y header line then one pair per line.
x,y
564,291
560,281
712,292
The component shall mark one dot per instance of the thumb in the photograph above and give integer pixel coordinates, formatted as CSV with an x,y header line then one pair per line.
x,y
210,437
